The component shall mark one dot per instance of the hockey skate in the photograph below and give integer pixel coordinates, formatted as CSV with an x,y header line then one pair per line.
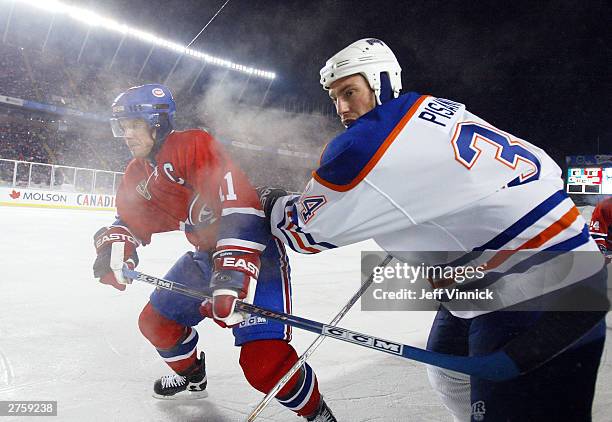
x,y
179,387
323,414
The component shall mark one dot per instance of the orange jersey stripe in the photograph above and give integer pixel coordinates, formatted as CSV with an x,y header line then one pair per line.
x,y
299,240
377,156
545,235
554,229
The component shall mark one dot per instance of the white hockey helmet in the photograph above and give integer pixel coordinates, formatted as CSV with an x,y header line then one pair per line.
x,y
369,57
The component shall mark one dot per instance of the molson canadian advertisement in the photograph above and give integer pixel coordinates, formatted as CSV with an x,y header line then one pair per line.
x,y
23,197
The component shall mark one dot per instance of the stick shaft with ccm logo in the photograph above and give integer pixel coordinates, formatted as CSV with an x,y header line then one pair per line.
x,y
496,366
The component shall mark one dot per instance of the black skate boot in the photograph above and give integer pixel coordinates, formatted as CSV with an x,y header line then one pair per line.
x,y
323,414
179,387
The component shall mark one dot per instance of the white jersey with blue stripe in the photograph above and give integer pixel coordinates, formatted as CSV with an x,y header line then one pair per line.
x,y
421,173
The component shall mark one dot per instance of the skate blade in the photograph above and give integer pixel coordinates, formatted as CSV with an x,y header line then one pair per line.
x,y
185,396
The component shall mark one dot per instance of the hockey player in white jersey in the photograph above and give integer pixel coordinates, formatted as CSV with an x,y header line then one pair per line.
x,y
421,173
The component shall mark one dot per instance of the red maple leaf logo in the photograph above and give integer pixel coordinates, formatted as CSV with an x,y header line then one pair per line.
x,y
14,194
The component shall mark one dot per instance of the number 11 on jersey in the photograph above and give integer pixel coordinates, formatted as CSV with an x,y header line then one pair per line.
x,y
231,193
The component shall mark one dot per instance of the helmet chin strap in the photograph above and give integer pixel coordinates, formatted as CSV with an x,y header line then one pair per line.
x,y
385,93
157,144
159,135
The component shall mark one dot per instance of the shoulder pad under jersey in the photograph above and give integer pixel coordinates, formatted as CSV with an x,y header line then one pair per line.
x,y
349,156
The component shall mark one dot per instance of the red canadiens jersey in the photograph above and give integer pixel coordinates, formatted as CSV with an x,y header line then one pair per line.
x,y
192,185
601,224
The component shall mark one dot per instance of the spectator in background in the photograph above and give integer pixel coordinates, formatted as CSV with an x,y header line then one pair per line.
x,y
52,79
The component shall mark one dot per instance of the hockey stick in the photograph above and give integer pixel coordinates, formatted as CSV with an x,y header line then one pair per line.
x,y
550,336
497,366
313,346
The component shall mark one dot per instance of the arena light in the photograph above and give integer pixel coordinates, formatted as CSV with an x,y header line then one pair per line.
x,y
93,19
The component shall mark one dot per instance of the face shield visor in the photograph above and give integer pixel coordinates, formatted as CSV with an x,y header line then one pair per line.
x,y
123,119
117,127
121,125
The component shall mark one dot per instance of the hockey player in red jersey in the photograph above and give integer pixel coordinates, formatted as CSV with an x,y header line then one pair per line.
x,y
600,227
184,180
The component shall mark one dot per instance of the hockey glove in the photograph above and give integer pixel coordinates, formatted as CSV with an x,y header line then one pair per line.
x,y
206,309
268,196
115,247
235,277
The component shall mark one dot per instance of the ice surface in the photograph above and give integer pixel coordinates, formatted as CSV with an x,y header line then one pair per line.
x,y
65,337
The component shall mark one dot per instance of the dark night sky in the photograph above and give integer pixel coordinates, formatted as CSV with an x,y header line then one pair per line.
x,y
538,69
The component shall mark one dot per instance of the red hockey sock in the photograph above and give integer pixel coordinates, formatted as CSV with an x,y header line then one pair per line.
x,y
175,343
264,362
